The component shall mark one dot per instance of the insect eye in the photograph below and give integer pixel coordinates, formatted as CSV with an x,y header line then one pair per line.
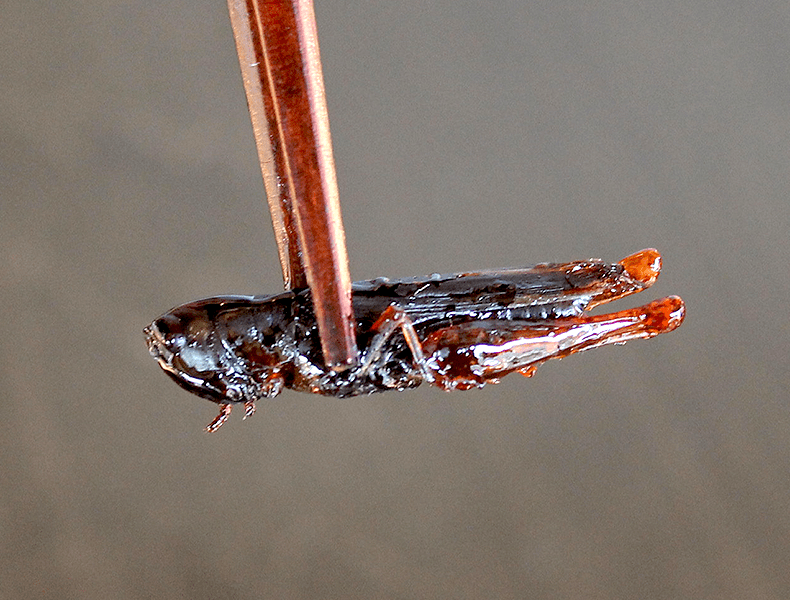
x,y
166,325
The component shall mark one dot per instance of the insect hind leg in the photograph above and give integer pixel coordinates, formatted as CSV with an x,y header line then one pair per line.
x,y
388,323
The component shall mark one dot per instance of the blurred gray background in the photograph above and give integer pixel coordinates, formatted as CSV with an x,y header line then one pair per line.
x,y
467,135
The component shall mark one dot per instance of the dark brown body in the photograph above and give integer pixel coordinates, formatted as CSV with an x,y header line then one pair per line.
x,y
455,331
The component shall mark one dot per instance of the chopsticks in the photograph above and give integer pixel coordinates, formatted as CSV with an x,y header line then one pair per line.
x,y
281,67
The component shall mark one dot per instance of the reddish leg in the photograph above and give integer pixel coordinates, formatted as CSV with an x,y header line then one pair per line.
x,y
389,321
224,413
249,409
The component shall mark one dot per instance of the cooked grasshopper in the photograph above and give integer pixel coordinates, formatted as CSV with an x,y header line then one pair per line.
x,y
453,331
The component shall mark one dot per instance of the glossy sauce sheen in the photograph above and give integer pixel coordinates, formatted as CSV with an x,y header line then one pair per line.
x,y
454,331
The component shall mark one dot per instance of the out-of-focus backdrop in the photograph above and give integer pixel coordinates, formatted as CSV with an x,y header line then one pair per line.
x,y
467,135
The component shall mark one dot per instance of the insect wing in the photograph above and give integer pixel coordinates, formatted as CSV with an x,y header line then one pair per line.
x,y
545,291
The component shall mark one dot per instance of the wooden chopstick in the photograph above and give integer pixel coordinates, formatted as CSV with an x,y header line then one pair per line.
x,y
280,63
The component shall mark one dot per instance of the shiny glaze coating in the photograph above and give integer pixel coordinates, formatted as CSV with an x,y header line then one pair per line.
x,y
454,331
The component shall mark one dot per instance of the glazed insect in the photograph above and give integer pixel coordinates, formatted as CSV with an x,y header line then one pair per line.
x,y
455,331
